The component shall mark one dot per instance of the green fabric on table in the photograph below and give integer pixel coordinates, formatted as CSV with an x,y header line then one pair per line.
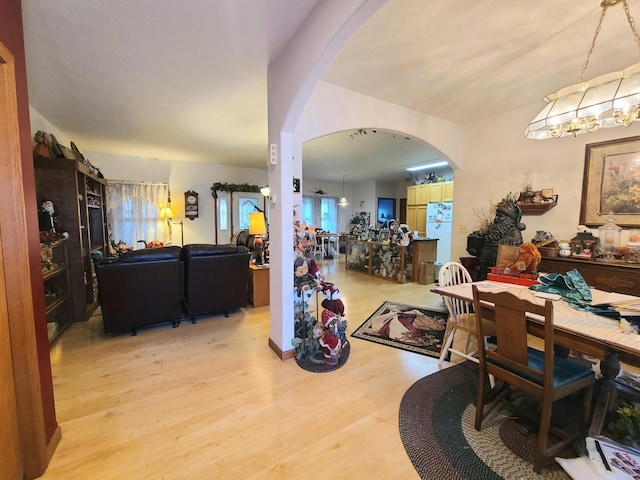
x,y
573,288
570,286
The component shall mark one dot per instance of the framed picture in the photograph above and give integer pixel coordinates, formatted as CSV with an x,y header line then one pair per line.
x,y
611,183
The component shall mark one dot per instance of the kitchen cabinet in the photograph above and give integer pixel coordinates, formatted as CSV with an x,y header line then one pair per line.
x,y
436,192
424,192
417,219
447,192
418,196
412,195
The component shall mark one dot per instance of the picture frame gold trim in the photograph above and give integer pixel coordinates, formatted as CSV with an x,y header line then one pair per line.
x,y
597,184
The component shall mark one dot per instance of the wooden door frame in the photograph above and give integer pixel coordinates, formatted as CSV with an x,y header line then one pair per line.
x,y
35,449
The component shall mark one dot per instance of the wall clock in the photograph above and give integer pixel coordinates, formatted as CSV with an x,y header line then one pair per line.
x,y
191,205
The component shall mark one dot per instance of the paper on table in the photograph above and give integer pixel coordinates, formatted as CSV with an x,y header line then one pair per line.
x,y
599,297
623,462
581,468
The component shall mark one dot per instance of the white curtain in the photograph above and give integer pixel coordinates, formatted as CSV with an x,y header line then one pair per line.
x,y
134,211
321,212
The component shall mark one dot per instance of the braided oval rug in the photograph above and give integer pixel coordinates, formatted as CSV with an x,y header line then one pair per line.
x,y
437,416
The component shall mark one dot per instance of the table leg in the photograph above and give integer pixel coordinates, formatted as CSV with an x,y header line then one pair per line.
x,y
607,396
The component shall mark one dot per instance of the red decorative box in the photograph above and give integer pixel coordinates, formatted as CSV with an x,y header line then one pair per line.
x,y
499,275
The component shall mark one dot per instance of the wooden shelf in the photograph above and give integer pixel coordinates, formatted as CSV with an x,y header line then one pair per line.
x,y
536,208
46,275
79,197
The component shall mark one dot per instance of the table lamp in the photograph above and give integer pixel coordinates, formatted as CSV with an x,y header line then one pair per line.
x,y
257,227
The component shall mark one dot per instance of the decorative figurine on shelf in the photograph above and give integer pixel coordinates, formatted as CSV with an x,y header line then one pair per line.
x,y
505,229
303,279
47,217
330,341
565,249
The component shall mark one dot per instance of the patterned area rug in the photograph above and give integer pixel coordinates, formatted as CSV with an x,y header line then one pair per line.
x,y
416,329
437,416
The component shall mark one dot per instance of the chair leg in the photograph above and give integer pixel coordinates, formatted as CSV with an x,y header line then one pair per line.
x,y
446,347
481,395
467,342
587,398
543,435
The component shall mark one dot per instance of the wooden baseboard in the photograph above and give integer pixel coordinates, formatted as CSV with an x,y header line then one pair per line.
x,y
286,355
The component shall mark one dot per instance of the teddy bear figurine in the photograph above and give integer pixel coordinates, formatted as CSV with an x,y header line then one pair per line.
x,y
527,260
303,279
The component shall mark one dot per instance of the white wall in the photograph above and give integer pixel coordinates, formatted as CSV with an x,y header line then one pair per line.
x,y
182,177
497,157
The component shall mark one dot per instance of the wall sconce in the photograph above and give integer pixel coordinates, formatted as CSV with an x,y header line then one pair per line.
x,y
257,227
361,203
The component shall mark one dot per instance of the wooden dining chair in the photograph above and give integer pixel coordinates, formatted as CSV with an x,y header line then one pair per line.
x,y
539,373
461,316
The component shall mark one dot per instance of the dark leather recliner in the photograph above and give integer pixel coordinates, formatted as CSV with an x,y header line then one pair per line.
x,y
140,288
216,278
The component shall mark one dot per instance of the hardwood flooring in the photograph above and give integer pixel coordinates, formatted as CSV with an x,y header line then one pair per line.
x,y
212,401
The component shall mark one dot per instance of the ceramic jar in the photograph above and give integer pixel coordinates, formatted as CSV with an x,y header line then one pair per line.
x,y
565,249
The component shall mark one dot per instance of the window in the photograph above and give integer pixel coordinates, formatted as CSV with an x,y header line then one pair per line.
x,y
224,215
321,212
246,206
134,209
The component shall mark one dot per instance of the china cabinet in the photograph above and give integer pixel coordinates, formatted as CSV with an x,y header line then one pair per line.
x,y
79,198
57,292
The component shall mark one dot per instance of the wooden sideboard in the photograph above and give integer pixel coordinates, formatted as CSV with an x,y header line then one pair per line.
x,y
610,276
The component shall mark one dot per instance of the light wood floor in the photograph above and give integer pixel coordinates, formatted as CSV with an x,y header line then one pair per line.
x,y
212,401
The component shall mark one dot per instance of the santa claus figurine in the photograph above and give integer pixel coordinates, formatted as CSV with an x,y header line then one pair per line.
x,y
330,341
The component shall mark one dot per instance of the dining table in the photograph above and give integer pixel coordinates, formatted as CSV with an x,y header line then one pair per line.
x,y
325,240
595,335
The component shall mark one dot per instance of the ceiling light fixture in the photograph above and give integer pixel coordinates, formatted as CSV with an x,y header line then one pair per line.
x,y
609,100
343,201
426,166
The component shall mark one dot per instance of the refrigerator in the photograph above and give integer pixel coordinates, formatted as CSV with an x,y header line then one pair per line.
x,y
439,226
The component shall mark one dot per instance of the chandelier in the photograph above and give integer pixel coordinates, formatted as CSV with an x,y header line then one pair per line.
x,y
609,100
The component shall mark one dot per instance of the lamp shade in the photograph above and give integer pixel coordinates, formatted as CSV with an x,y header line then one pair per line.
x,y
609,100
166,212
265,191
257,225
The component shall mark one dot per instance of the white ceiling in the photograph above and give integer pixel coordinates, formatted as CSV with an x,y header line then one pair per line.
x,y
187,80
